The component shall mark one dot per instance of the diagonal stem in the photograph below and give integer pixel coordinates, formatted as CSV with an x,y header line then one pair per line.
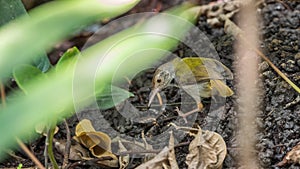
x,y
233,29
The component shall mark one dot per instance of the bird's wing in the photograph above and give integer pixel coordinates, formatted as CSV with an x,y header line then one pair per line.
x,y
208,89
221,88
199,90
207,68
189,72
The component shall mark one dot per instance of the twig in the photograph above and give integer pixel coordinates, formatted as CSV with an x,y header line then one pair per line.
x,y
3,97
150,151
29,154
189,129
233,29
46,152
68,145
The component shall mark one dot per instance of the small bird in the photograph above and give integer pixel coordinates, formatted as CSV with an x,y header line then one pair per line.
x,y
197,76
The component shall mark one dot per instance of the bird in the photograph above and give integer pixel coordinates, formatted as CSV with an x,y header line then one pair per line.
x,y
199,77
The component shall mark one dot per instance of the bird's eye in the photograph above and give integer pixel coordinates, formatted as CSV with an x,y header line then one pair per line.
x,y
158,80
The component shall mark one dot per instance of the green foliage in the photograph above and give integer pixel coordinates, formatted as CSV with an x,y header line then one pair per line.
x,y
49,24
10,10
73,87
23,74
110,96
20,166
67,59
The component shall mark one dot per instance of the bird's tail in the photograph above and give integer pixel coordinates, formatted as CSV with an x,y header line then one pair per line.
x,y
221,88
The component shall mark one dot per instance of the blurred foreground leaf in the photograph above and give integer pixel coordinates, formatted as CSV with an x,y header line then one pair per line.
x,y
10,10
23,74
119,55
23,39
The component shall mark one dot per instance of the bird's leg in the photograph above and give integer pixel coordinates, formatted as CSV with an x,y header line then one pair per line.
x,y
184,115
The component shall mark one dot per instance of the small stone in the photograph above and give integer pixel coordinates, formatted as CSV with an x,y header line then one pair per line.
x,y
263,66
289,66
297,56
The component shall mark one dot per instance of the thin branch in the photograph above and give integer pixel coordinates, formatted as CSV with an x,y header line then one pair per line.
x,y
68,145
233,29
150,151
50,136
29,154
3,96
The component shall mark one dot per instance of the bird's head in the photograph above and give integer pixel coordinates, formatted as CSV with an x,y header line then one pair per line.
x,y
161,79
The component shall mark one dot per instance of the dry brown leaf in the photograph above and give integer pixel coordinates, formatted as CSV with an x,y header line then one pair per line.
x,y
97,142
165,159
130,145
133,146
77,152
171,154
291,157
157,161
206,151
123,159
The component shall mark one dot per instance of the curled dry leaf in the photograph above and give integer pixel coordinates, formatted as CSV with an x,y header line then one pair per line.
x,y
291,157
97,142
206,151
165,159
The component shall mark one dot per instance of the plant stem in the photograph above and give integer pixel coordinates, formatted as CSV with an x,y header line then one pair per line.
x,y
68,145
3,96
234,30
50,136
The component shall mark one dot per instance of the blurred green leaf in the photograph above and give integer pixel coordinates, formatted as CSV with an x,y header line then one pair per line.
x,y
23,74
10,10
107,96
99,65
48,24
68,58
42,62
111,96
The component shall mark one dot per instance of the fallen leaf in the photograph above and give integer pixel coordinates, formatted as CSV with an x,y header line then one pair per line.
x,y
206,151
77,152
165,159
130,145
123,159
291,157
97,142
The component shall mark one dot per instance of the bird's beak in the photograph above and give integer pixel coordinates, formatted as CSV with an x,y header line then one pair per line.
x,y
152,95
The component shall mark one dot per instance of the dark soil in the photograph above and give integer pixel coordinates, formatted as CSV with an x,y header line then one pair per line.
x,y
278,120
